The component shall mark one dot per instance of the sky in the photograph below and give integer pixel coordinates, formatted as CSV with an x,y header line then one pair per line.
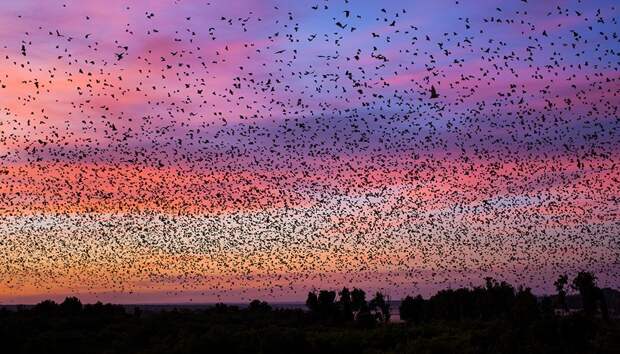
x,y
196,151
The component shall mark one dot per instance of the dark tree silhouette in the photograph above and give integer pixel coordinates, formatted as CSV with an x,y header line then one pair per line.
x,y
257,305
525,309
327,303
46,307
379,304
358,300
546,307
604,307
495,300
71,306
560,287
500,297
345,304
312,302
585,283
412,309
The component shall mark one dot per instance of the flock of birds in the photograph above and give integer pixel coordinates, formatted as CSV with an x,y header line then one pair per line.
x,y
192,152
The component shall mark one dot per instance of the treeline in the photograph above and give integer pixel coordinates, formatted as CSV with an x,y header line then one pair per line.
x,y
492,318
500,300
351,306
494,300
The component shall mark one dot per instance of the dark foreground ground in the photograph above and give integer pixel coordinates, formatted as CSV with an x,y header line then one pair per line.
x,y
224,329
495,318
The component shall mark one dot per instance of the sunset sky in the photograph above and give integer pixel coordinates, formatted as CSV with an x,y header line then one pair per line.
x,y
196,151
